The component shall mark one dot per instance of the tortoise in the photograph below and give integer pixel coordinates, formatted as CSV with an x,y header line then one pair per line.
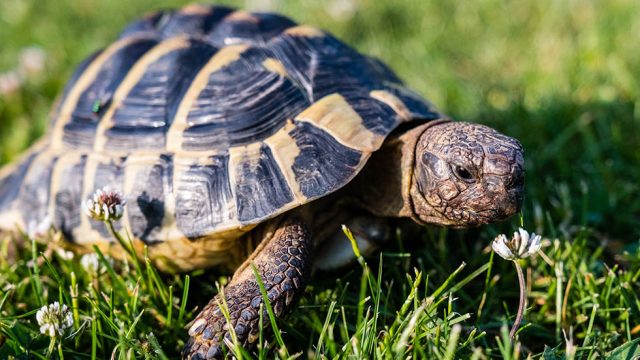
x,y
244,138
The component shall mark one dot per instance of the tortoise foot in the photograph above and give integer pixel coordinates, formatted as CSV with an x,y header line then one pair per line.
x,y
284,265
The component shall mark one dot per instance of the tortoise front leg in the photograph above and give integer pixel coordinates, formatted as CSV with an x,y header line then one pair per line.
x,y
284,264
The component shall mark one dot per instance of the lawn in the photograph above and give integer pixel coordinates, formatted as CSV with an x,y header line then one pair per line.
x,y
560,76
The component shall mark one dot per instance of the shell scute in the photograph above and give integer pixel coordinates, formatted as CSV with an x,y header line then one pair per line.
x,y
217,25
323,164
35,188
82,67
261,188
204,198
67,196
148,187
146,113
103,171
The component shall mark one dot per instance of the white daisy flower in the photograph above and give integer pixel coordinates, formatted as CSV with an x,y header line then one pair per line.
x,y
522,245
54,319
105,205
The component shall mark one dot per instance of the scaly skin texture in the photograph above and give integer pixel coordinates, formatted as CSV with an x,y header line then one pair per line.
x,y
466,175
284,264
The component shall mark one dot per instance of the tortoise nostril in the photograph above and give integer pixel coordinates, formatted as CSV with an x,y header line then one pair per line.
x,y
493,185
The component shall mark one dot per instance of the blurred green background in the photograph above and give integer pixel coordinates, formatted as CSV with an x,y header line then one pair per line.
x,y
561,76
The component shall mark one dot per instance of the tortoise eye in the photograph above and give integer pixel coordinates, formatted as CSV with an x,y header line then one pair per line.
x,y
462,173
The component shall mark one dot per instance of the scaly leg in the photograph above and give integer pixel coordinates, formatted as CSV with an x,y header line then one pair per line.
x,y
284,264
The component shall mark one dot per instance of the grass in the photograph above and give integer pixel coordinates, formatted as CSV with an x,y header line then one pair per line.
x,y
559,76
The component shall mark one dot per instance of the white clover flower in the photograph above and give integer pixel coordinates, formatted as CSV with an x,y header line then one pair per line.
x,y
105,205
38,229
54,319
64,254
32,61
522,245
342,10
90,262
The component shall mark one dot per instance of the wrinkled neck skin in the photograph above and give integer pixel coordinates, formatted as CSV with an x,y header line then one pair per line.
x,y
383,187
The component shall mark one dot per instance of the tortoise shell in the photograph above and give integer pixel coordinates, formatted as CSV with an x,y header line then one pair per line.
x,y
210,121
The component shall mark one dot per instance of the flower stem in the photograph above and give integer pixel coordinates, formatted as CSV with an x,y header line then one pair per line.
x,y
52,344
127,246
60,353
118,237
521,305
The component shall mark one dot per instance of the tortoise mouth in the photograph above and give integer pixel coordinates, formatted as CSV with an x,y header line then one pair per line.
x,y
463,217
444,215
471,207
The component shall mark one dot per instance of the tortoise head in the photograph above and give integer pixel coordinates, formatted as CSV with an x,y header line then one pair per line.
x,y
466,175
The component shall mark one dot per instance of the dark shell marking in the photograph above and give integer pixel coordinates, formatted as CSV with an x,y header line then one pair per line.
x,y
68,197
204,198
210,120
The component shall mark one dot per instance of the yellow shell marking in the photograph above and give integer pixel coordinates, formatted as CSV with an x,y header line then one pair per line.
x,y
275,66
304,30
132,78
242,15
195,9
394,102
285,150
222,58
334,115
